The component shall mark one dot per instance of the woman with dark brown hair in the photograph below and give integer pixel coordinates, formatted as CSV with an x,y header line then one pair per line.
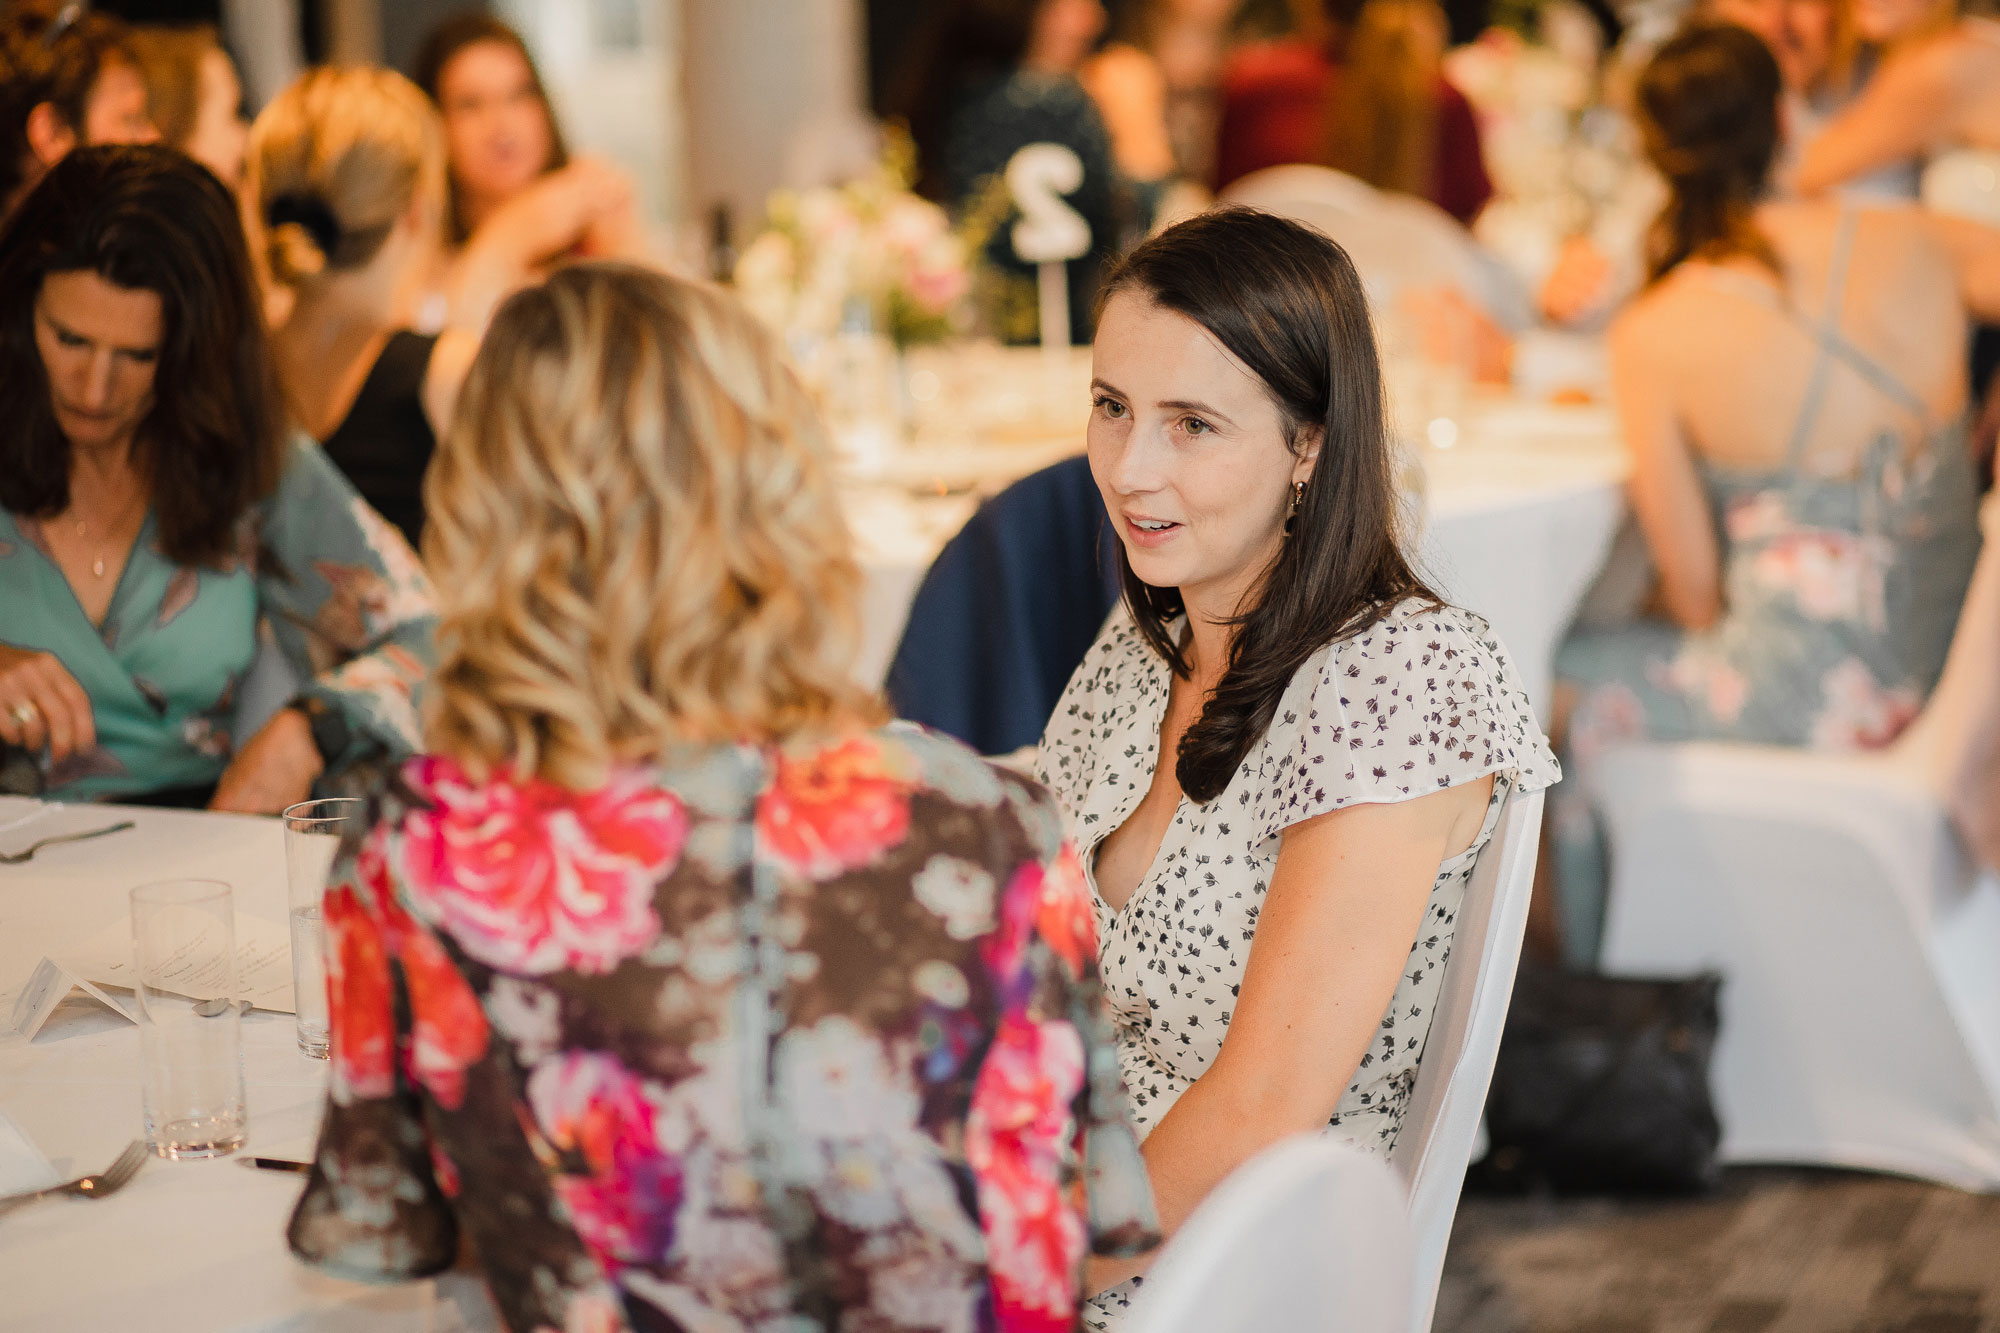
x,y
1792,391
1282,758
510,169
153,511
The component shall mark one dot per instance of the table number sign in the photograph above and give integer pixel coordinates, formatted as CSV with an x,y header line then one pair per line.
x,y
1050,232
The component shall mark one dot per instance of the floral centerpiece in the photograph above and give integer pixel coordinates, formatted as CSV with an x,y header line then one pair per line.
x,y
870,245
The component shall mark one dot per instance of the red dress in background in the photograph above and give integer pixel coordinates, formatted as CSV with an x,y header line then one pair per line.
x,y
1274,114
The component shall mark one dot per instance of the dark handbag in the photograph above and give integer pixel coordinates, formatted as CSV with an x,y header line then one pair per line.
x,y
1602,1085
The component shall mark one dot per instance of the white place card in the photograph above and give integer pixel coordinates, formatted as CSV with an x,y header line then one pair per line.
x,y
48,987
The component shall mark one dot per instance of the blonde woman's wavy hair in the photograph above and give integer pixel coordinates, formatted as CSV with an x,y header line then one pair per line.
x,y
635,536
334,162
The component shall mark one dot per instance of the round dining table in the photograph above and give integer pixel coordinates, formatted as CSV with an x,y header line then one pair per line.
x,y
194,1246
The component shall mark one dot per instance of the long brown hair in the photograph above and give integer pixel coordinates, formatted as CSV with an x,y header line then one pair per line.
x,y
1287,302
444,42
151,218
1708,113
1382,120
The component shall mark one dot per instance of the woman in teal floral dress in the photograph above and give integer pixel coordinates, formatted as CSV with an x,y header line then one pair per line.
x,y
688,992
1792,388
153,511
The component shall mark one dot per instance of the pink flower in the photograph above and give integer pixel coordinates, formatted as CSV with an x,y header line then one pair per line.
x,y
835,809
1014,1136
1606,716
531,877
589,1106
1857,712
1830,575
1051,900
1709,679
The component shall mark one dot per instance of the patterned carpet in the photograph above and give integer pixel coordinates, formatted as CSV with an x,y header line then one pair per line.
x,y
1775,1251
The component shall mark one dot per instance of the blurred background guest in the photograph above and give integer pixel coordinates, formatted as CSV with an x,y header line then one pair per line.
x,y
1792,392
985,79
1394,120
1936,90
194,95
348,193
669,715
1359,86
152,511
67,79
1188,40
511,173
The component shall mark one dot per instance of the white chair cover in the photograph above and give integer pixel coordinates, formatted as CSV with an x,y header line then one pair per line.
x,y
1857,940
1308,1235
1435,1145
1396,241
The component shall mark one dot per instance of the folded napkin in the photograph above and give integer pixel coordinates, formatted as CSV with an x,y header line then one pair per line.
x,y
22,1166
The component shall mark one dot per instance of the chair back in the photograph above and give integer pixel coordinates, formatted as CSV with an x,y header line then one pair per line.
x,y
1954,744
1434,1146
1306,1236
1007,611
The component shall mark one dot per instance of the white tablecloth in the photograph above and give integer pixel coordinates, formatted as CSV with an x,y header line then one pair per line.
x,y
1519,515
195,1246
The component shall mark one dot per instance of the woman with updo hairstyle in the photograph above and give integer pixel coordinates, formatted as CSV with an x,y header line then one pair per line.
x,y
346,191
731,1006
154,509
1791,389
1284,755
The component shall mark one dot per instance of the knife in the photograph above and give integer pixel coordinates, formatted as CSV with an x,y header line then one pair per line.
x,y
276,1164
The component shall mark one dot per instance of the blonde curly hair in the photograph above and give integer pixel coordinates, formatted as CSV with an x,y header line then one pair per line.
x,y
635,537
356,146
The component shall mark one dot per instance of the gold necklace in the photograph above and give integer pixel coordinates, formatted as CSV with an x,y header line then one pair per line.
x,y
83,532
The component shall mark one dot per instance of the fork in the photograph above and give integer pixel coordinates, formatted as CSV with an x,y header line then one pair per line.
x,y
105,1183
16,858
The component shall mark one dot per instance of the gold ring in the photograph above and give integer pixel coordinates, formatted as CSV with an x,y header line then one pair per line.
x,y
24,713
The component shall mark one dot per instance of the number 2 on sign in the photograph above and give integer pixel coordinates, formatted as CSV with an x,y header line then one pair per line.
x,y
1050,231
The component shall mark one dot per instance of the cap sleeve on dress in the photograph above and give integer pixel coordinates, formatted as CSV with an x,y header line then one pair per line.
x,y
1425,699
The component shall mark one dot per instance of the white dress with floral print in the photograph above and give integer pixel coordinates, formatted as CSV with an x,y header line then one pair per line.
x,y
1423,700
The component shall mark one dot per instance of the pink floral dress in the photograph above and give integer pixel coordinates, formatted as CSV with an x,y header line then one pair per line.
x,y
753,1039
1840,596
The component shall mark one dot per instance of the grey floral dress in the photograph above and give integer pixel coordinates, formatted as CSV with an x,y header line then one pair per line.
x,y
758,1039
1840,596
341,590
1423,700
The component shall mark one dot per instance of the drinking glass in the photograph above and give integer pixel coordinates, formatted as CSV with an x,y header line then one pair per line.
x,y
190,1028
313,833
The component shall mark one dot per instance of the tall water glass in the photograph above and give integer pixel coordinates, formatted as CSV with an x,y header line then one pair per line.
x,y
313,833
190,1028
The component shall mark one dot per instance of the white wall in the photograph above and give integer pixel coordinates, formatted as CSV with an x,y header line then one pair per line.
x,y
613,69
774,97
